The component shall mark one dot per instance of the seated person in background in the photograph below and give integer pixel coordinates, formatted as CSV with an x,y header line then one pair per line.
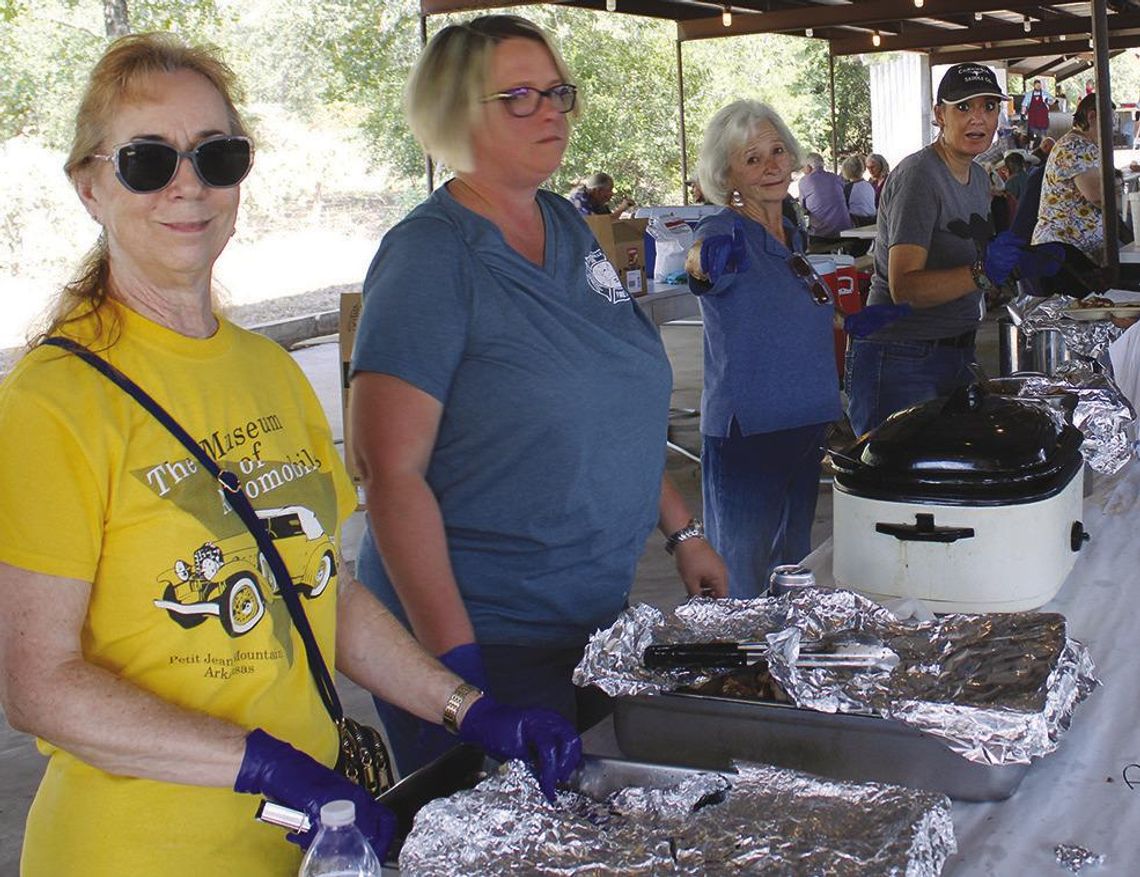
x,y
1014,174
592,197
877,170
821,194
860,194
1041,153
1071,195
696,196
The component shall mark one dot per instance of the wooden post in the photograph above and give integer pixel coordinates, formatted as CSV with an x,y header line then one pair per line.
x,y
681,117
1104,120
831,95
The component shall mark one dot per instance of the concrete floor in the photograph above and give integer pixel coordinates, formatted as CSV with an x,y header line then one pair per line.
x,y
21,765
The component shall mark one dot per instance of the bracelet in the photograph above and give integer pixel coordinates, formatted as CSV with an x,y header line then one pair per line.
x,y
981,279
692,530
455,703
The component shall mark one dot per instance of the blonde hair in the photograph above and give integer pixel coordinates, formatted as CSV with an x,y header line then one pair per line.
x,y
443,100
120,76
726,133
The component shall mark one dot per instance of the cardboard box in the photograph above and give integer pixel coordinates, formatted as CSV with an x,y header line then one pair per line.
x,y
623,242
350,304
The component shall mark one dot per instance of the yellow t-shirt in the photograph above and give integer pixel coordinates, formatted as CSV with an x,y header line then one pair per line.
x,y
92,487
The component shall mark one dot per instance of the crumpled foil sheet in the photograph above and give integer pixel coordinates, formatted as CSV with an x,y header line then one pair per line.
x,y
1085,337
761,820
996,688
1076,858
1103,413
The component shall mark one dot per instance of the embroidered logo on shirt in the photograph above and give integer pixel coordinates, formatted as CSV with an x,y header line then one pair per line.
x,y
603,278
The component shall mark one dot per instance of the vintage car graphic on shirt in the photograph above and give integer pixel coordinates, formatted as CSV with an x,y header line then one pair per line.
x,y
603,278
231,578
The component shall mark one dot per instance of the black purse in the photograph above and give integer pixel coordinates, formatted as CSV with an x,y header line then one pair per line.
x,y
363,758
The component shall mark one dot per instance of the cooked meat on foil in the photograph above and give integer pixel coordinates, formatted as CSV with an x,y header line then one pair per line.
x,y
761,820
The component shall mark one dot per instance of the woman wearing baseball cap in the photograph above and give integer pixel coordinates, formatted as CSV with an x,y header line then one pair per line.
x,y
934,260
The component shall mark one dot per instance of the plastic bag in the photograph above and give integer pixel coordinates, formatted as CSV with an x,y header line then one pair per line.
x,y
672,238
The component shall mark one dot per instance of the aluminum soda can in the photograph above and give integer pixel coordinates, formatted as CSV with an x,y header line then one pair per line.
x,y
790,577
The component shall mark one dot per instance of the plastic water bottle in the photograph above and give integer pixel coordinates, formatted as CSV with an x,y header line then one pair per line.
x,y
339,849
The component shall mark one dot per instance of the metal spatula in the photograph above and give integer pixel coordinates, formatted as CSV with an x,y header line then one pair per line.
x,y
854,651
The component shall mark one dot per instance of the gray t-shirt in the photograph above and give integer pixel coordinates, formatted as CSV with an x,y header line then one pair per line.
x,y
920,198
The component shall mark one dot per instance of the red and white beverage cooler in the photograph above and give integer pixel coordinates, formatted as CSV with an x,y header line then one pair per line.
x,y
838,272
970,503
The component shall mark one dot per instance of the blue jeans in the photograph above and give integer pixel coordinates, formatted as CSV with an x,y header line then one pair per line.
x,y
883,377
523,676
759,500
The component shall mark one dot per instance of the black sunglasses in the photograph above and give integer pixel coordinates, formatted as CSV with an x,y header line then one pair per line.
x,y
524,100
145,166
805,271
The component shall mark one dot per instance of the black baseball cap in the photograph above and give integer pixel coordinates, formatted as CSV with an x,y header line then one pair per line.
x,y
966,81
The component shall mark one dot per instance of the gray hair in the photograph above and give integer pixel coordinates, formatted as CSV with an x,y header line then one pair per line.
x,y
879,160
852,168
727,132
815,160
598,181
443,100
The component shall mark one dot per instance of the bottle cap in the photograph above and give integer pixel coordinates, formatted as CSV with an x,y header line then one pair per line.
x,y
337,814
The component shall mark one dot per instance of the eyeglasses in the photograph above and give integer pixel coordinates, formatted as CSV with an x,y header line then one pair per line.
x,y
524,100
805,271
145,166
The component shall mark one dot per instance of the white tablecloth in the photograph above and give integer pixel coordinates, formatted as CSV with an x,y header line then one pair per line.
x,y
1077,795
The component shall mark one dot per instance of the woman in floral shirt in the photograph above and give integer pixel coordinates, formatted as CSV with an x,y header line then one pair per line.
x,y
1071,194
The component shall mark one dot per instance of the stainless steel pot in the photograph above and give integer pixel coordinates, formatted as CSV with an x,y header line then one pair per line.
x,y
1042,352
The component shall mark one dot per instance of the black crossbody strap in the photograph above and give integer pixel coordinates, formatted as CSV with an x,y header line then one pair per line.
x,y
239,502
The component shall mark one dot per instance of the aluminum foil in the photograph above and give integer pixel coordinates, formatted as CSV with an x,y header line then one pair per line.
x,y
996,688
1103,413
760,820
1084,337
1076,858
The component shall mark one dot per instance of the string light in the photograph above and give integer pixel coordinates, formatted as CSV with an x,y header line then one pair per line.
x,y
810,32
876,40
611,5
1063,37
1027,24
918,4
726,16
977,16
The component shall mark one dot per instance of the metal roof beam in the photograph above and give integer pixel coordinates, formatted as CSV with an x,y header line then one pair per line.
x,y
1030,50
871,12
991,33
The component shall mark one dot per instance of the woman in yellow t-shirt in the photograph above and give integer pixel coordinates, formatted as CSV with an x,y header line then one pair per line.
x,y
142,641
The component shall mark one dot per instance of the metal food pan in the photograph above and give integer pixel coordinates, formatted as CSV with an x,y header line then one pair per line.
x,y
710,732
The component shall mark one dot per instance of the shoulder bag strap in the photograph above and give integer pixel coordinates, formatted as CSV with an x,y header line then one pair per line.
x,y
239,502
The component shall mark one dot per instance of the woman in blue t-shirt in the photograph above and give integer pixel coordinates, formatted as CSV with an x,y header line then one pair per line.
x,y
509,399
771,389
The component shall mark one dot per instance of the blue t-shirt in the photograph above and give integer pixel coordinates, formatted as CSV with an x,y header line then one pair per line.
x,y
555,390
769,348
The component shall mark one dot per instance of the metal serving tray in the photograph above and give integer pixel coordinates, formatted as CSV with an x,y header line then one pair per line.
x,y
709,732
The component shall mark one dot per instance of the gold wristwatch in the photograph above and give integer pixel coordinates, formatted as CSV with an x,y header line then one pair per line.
x,y
463,692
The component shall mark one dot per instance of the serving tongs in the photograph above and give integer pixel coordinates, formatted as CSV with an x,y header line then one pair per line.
x,y
851,651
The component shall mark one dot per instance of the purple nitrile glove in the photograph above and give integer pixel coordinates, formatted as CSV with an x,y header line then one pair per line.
x,y
724,254
1042,260
466,662
872,318
541,737
273,768
1003,254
